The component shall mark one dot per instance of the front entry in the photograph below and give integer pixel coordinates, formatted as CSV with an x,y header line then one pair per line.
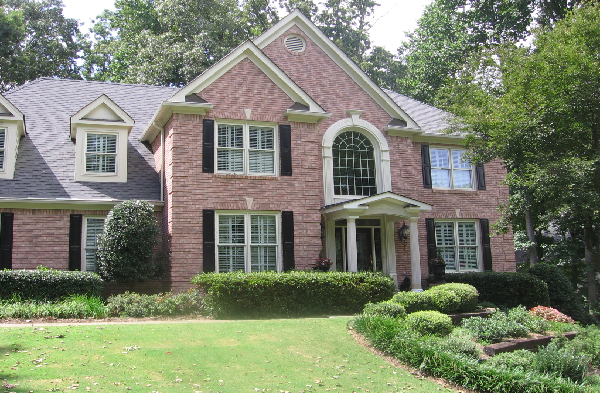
x,y
368,245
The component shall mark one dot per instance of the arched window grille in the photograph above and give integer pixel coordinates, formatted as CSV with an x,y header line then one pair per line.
x,y
353,165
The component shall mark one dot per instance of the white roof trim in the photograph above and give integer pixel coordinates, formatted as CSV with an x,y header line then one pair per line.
x,y
363,203
248,51
339,57
164,112
79,117
13,115
67,204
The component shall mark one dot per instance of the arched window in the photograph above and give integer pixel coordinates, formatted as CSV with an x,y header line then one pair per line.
x,y
354,171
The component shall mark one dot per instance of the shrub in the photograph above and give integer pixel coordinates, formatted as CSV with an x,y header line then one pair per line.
x,y
387,308
126,245
48,284
163,304
467,295
79,306
532,323
457,345
505,289
562,294
495,328
290,294
588,342
550,314
414,301
517,360
431,323
559,359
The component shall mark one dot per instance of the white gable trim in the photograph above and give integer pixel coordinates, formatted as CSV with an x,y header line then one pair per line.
x,y
12,122
120,118
248,51
297,18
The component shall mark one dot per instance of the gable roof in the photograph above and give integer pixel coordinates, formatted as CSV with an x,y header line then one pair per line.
x,y
297,18
46,162
101,111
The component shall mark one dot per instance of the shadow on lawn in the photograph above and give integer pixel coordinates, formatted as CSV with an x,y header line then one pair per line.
x,y
5,385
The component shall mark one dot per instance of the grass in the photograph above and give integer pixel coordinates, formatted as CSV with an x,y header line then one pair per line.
x,y
294,355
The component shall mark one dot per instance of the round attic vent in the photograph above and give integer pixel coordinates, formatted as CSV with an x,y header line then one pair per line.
x,y
295,43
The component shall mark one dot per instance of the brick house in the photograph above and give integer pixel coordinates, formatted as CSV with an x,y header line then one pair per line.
x,y
282,152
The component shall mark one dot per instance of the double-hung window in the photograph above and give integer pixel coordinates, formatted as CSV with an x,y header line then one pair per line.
x,y
247,242
246,149
2,147
93,227
101,153
449,169
458,243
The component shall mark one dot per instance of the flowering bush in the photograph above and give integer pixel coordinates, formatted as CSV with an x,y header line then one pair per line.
x,y
550,314
322,264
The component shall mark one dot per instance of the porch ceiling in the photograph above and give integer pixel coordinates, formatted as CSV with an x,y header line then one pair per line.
x,y
384,204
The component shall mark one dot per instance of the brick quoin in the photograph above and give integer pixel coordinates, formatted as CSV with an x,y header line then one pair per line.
x,y
188,190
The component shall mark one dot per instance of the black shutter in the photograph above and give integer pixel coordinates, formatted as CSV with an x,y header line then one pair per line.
x,y
6,240
208,146
287,238
480,172
485,244
426,162
75,228
285,149
208,241
431,247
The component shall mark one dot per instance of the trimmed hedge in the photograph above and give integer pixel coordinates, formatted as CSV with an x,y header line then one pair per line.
x,y
385,309
562,294
467,294
163,304
431,323
291,294
446,298
506,289
48,285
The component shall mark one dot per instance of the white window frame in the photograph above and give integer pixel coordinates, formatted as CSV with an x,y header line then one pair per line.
x,y
115,154
451,169
246,147
84,245
81,173
3,149
457,246
247,237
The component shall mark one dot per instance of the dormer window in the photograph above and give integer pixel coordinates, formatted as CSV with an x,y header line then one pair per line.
x,y
101,153
100,131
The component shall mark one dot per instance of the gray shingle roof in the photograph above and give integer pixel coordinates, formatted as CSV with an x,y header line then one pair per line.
x,y
46,161
429,118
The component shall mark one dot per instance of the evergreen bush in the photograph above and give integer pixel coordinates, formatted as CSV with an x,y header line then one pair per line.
x,y
431,323
291,294
467,295
126,245
387,308
132,304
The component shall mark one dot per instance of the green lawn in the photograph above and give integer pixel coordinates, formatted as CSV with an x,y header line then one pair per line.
x,y
296,355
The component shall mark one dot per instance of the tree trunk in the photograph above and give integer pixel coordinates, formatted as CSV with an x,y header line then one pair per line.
x,y
532,252
591,280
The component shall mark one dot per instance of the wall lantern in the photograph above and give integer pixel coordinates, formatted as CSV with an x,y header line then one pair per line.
x,y
403,232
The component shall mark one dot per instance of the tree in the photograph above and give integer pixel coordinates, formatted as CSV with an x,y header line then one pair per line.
x,y
37,41
126,246
450,31
538,111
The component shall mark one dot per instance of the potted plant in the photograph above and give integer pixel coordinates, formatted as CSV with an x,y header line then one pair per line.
x,y
322,264
437,266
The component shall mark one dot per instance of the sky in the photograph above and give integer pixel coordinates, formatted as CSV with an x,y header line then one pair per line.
x,y
391,20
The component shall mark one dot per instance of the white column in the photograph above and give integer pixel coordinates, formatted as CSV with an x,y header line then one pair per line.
x,y
330,242
389,265
415,255
351,244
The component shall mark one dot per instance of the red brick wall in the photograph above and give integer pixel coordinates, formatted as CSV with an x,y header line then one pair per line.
x,y
189,190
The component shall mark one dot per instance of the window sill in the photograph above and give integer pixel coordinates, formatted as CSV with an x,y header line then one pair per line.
x,y
252,177
455,190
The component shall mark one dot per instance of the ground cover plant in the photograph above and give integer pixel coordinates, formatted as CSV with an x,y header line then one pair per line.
x,y
295,355
166,304
456,354
73,307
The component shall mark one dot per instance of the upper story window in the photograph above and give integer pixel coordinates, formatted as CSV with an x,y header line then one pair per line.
x,y
449,169
101,153
354,171
246,149
247,242
458,243
2,139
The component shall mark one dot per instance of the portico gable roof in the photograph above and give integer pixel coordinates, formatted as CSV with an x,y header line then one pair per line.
x,y
386,203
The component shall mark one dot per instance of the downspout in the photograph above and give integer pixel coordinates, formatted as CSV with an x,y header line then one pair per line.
x,y
162,161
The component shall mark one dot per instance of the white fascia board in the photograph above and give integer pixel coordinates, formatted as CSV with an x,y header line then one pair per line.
x,y
164,113
15,115
452,139
248,51
306,116
67,204
79,117
339,57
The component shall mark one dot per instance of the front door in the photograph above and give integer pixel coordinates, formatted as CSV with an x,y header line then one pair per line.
x,y
368,246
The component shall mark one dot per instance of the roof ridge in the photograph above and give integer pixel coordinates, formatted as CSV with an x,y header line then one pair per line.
x,y
44,78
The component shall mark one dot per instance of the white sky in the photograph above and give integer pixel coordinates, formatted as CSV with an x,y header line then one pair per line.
x,y
391,20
